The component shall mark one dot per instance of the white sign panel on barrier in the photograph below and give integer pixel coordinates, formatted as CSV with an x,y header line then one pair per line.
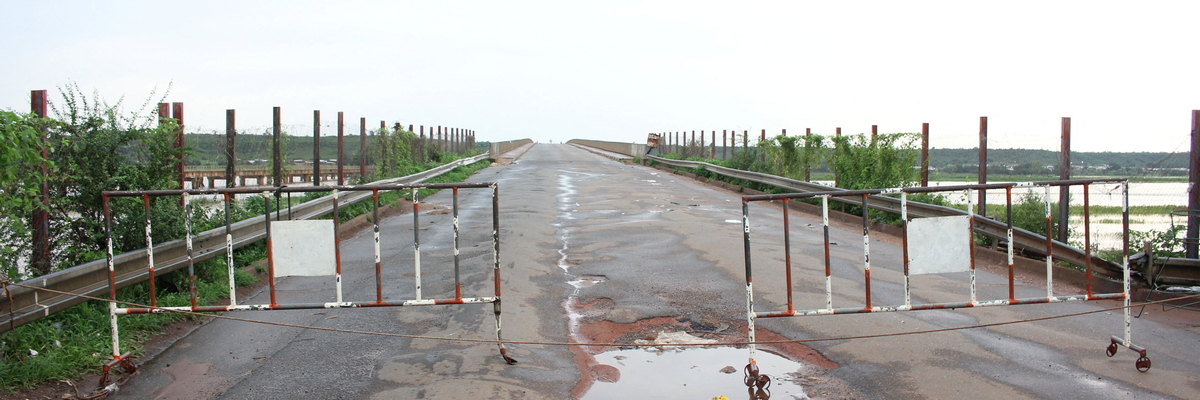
x,y
939,245
303,248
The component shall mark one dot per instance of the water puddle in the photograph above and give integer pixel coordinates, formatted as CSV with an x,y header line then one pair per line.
x,y
695,373
586,281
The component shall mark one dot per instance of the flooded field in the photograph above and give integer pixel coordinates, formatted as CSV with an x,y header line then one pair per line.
x,y
1105,221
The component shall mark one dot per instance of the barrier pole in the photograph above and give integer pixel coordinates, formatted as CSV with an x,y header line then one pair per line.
x,y
112,279
1125,258
866,252
752,368
417,239
270,254
1012,294
187,226
337,249
904,245
496,271
378,270
149,250
971,243
1049,246
1087,240
457,276
787,255
229,251
828,275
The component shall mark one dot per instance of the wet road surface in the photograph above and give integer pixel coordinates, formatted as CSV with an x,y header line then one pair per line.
x,y
597,251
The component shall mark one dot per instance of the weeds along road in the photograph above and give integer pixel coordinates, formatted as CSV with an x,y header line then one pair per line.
x,y
597,251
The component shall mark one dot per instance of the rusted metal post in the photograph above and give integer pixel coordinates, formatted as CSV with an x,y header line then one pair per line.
x,y
316,179
1064,172
341,148
276,149
40,219
839,132
925,154
724,144
702,146
230,148
362,150
982,165
807,157
1193,229
177,113
874,132
745,139
439,139
762,137
690,144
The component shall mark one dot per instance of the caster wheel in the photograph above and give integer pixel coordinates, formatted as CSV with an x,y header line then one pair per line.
x,y
1111,350
1143,364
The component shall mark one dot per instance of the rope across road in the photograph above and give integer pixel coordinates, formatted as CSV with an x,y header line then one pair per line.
x,y
607,344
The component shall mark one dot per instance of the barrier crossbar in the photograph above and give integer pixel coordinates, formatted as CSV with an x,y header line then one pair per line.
x,y
754,376
228,195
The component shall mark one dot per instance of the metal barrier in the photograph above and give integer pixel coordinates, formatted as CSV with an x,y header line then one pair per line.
x,y
1025,240
962,230
122,359
27,305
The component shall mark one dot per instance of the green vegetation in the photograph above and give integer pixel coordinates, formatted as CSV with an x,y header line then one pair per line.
x,y
1026,162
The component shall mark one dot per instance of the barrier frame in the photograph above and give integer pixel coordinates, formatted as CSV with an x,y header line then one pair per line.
x,y
753,376
228,195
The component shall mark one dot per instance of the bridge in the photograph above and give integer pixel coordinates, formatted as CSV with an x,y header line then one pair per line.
x,y
604,251
199,177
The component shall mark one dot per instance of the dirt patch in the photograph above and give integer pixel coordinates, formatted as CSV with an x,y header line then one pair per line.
x,y
191,381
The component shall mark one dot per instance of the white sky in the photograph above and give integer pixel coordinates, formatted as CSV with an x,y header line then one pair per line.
x,y
1125,72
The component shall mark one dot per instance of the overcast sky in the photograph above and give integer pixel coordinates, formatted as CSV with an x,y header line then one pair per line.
x,y
1125,72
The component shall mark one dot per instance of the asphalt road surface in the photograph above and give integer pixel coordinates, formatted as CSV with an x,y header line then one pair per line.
x,y
598,251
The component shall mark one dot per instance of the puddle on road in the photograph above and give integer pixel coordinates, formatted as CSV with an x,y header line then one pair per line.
x,y
587,281
694,373
661,372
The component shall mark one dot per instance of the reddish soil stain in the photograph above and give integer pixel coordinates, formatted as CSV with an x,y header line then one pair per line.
x,y
191,381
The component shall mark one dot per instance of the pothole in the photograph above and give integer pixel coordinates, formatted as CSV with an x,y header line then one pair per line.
x,y
692,373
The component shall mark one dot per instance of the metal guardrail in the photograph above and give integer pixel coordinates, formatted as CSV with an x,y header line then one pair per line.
x,y
26,305
1027,241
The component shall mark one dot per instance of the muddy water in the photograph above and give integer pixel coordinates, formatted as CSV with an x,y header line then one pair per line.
x,y
697,373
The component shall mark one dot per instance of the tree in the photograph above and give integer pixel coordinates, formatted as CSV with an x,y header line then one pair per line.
x,y
19,181
885,161
93,146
